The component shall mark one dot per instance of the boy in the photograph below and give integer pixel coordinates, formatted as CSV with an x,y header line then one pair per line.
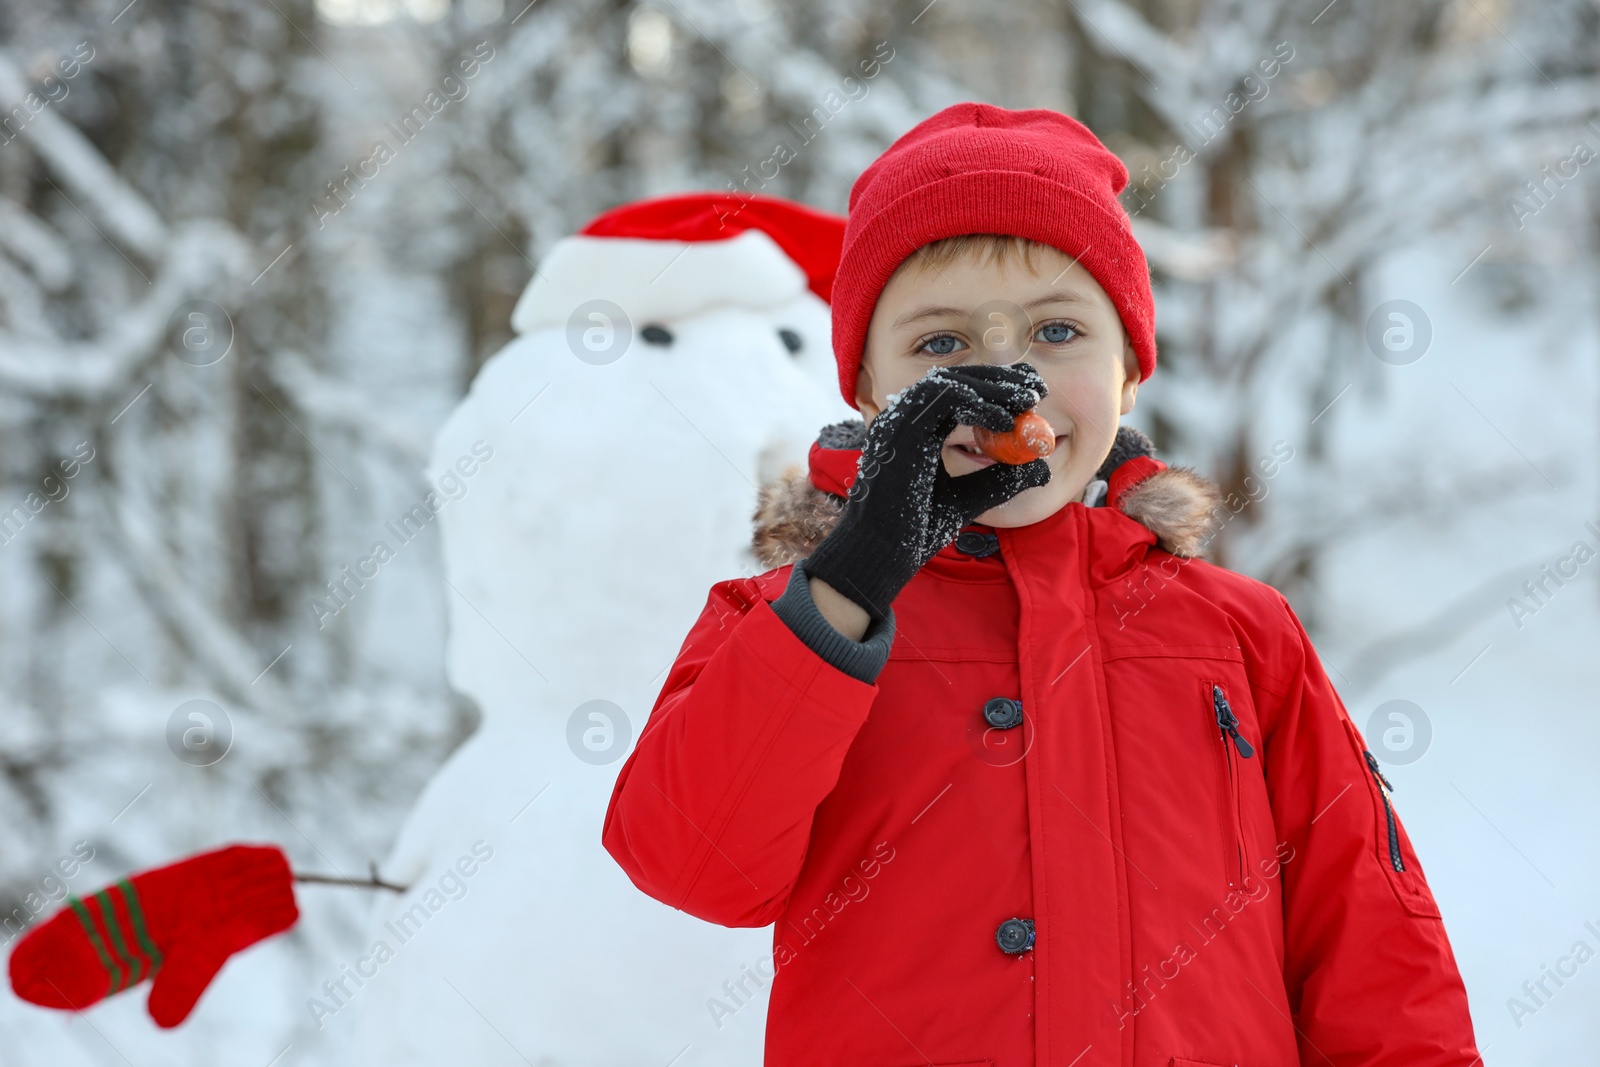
x,y
1077,797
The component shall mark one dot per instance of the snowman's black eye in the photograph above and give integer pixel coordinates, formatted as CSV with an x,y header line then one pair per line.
x,y
791,340
656,335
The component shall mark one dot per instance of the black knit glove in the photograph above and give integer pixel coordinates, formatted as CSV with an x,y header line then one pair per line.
x,y
903,506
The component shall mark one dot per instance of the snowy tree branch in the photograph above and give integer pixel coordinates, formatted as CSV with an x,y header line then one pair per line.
x,y
81,167
204,257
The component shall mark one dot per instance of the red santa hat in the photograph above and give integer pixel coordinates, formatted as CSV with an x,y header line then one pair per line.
x,y
673,256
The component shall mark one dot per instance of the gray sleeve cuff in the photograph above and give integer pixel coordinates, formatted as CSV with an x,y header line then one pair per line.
x,y
862,660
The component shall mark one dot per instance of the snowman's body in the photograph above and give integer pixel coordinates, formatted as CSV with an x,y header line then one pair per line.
x,y
577,559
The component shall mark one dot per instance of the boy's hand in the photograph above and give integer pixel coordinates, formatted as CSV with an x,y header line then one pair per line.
x,y
904,506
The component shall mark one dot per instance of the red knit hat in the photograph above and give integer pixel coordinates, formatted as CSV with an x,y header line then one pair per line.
x,y
974,168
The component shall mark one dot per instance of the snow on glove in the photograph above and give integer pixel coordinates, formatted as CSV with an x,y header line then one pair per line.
x,y
904,506
179,923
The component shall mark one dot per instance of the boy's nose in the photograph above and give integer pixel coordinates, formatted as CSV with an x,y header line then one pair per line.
x,y
1001,332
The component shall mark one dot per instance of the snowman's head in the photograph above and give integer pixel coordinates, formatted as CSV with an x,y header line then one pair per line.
x,y
716,303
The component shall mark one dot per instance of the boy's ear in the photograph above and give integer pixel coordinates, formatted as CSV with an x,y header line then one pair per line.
x,y
864,403
1130,373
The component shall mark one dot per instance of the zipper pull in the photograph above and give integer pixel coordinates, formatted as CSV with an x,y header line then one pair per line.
x,y
1228,723
1372,762
1396,860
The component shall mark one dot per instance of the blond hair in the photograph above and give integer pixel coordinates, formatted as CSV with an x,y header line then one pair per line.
x,y
1001,249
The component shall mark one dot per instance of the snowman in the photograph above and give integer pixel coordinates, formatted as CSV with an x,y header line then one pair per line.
x,y
671,357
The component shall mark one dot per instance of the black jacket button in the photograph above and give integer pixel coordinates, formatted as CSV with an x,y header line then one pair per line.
x,y
977,543
1003,713
1015,936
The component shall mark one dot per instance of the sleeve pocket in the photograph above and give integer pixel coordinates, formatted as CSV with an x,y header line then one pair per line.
x,y
1393,852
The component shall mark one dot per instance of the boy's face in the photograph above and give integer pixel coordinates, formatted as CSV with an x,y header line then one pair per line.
x,y
1056,317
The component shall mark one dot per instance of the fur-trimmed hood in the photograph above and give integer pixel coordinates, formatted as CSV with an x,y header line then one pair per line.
x,y
1177,504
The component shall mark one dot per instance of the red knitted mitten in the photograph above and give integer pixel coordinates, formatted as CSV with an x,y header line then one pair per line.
x,y
179,923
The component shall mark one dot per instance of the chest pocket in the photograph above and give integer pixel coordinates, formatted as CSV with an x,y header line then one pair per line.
x,y
1189,757
1234,759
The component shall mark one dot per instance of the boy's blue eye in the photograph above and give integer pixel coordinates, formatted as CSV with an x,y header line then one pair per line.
x,y
942,345
1056,332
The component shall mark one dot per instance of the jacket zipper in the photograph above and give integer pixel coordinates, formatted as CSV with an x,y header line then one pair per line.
x,y
1384,788
1228,725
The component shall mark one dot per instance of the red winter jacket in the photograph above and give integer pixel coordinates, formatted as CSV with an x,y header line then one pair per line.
x,y
1197,895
